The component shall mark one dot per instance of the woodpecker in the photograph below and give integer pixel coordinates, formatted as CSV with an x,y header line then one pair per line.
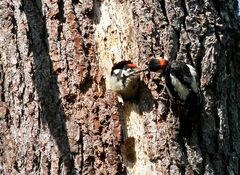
x,y
125,79
181,83
181,78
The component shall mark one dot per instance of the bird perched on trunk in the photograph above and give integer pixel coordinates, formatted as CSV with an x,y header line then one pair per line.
x,y
181,78
181,83
125,79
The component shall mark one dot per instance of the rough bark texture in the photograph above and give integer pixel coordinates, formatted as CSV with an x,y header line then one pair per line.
x,y
58,116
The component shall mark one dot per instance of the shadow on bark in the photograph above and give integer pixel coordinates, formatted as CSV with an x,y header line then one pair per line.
x,y
145,101
52,112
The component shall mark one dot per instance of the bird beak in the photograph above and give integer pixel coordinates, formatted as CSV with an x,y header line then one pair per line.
x,y
138,71
141,70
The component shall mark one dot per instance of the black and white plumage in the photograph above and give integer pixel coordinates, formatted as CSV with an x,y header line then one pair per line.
x,y
181,83
125,79
181,78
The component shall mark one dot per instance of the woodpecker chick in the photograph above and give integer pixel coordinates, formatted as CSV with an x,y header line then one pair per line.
x,y
181,78
125,79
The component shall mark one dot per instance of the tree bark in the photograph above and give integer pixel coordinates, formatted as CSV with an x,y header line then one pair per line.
x,y
58,114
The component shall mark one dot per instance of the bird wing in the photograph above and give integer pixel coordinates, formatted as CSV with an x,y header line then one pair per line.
x,y
181,71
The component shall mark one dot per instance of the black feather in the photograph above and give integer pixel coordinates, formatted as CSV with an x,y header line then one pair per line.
x,y
181,71
120,65
154,65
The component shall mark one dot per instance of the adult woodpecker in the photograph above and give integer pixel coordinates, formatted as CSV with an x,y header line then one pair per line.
x,y
125,79
181,78
181,83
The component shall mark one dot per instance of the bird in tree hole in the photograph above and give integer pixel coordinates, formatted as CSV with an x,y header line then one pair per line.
x,y
124,79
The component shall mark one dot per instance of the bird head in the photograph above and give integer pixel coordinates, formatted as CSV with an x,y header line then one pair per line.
x,y
130,69
156,65
124,68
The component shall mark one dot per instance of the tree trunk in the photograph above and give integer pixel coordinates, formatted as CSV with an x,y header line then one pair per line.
x,y
59,116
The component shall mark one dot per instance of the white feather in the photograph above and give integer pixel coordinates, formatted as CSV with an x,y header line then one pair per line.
x,y
194,84
116,85
128,89
181,89
126,72
116,71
